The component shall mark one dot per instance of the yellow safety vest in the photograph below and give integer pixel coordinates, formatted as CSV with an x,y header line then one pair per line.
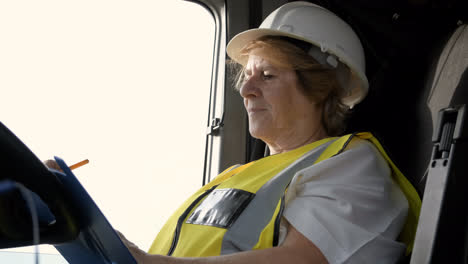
x,y
237,212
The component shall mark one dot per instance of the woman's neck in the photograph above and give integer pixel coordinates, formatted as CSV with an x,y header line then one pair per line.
x,y
291,142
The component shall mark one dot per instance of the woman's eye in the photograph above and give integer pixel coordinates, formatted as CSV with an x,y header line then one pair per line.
x,y
267,76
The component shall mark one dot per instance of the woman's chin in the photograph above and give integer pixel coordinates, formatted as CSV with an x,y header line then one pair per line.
x,y
257,132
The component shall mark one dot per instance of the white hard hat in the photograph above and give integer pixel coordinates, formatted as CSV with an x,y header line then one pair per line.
x,y
316,25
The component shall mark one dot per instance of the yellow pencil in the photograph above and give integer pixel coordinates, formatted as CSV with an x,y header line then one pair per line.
x,y
79,164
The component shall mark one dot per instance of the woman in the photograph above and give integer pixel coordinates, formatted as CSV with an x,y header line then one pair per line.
x,y
316,199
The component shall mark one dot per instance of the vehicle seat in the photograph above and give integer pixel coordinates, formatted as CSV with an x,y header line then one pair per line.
x,y
403,103
443,224
402,110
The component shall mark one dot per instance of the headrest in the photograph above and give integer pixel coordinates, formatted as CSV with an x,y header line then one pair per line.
x,y
452,63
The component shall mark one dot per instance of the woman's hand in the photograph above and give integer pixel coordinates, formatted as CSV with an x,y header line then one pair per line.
x,y
52,164
139,255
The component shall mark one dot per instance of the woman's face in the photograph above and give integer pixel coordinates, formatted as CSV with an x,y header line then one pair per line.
x,y
276,106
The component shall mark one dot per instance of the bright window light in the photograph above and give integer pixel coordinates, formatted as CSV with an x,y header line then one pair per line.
x,y
124,84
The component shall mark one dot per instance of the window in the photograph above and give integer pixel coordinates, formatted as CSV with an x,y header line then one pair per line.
x,y
124,84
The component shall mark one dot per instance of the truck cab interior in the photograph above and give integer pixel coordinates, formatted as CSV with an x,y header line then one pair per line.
x,y
416,64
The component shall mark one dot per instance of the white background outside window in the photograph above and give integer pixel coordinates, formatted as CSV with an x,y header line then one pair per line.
x,y
124,84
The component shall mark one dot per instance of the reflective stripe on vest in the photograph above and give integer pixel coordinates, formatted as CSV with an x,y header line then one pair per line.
x,y
244,233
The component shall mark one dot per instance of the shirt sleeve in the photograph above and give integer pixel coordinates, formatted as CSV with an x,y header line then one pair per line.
x,y
349,207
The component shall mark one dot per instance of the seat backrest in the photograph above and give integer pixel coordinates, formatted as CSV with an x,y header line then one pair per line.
x,y
447,86
441,235
403,103
402,109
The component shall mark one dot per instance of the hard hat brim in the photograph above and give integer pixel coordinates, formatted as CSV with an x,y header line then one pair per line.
x,y
239,41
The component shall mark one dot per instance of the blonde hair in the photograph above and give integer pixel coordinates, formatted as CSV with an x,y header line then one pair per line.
x,y
317,82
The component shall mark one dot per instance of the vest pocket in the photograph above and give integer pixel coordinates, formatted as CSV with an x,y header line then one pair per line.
x,y
221,208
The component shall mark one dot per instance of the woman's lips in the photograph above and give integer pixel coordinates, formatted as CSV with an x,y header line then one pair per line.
x,y
255,110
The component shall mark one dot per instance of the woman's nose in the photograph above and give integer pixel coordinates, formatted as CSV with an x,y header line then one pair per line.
x,y
250,87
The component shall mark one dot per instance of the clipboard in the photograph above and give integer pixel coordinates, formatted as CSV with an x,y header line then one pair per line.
x,y
97,241
80,231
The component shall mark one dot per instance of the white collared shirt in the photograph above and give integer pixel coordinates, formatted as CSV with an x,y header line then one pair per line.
x,y
349,207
